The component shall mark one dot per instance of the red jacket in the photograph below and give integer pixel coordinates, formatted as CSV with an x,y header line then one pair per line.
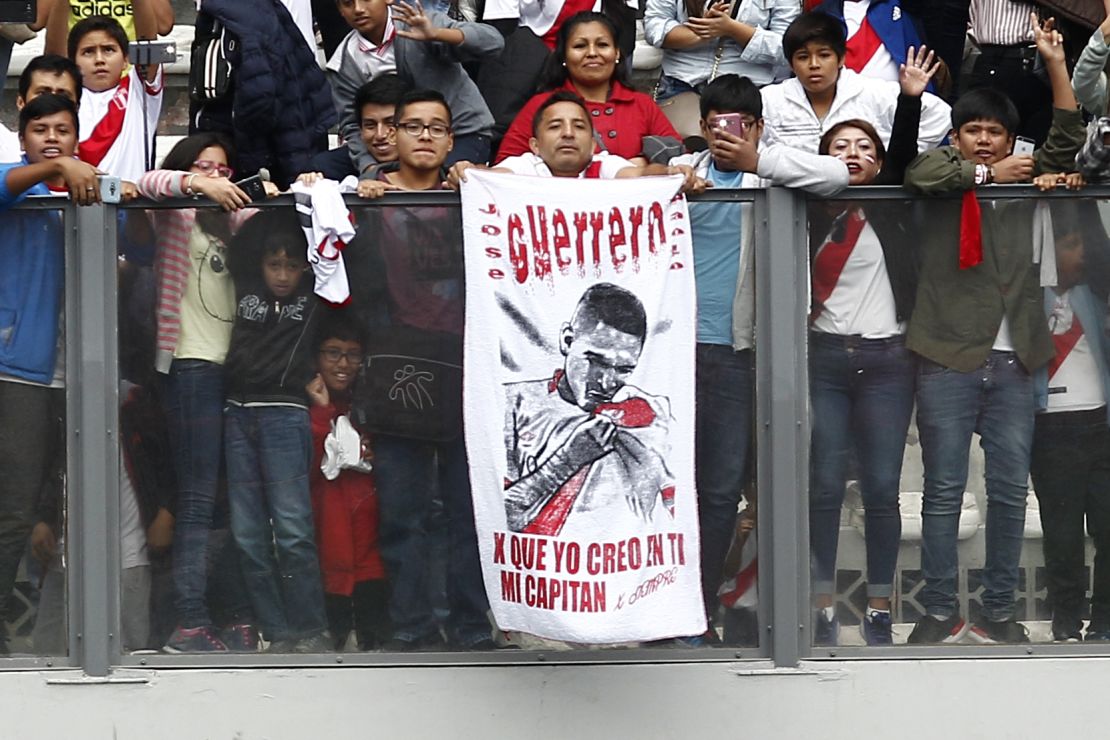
x,y
620,123
346,514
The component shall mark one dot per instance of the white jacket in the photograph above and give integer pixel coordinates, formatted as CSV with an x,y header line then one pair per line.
x,y
789,119
778,165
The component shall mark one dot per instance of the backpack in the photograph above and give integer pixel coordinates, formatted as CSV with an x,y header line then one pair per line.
x,y
211,71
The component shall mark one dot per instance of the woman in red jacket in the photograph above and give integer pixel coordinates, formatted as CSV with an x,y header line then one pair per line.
x,y
344,499
587,62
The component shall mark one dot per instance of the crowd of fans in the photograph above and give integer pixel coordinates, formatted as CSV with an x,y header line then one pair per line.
x,y
240,531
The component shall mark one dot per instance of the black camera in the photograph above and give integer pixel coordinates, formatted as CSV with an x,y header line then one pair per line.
x,y
18,11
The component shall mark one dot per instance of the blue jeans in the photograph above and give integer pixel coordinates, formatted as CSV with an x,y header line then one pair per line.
x,y
269,450
995,400
407,473
861,391
194,399
723,441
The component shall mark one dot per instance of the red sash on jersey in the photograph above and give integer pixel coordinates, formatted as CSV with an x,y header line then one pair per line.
x,y
554,514
1065,343
593,170
830,259
94,148
861,47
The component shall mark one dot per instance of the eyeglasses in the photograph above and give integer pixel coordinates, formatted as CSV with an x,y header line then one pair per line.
x,y
415,128
207,166
335,355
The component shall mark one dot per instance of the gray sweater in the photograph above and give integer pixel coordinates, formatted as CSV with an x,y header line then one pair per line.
x,y
423,65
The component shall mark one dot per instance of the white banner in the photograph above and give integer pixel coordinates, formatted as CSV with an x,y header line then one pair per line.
x,y
578,396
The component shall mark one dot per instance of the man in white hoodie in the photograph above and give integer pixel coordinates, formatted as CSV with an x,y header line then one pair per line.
x,y
723,246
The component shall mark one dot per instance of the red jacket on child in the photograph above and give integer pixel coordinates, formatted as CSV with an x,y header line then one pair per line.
x,y
346,514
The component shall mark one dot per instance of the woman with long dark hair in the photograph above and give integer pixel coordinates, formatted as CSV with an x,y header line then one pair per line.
x,y
195,305
588,62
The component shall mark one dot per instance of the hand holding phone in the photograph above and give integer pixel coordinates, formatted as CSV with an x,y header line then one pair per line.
x,y
1023,146
730,122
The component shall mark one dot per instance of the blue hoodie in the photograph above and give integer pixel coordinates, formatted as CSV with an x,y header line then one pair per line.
x,y
32,282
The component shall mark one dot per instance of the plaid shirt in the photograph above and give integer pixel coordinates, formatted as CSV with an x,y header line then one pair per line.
x,y
1093,159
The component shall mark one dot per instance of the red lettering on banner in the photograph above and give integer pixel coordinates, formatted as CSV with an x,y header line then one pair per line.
x,y
555,239
635,218
616,239
541,252
654,224
493,253
510,586
559,595
518,250
499,548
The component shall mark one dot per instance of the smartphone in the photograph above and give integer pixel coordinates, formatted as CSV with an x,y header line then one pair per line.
x,y
731,123
109,188
1023,145
17,11
152,52
253,187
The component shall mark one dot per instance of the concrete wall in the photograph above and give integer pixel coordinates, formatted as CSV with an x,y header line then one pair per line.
x,y
951,699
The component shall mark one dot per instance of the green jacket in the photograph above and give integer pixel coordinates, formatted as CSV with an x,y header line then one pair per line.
x,y
958,312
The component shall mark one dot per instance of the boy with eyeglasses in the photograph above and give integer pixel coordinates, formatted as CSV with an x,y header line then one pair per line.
x,y
344,495
426,50
405,271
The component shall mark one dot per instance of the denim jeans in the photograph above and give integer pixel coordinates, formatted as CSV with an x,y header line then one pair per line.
x,y
995,400
1071,475
269,450
407,473
723,442
861,391
194,398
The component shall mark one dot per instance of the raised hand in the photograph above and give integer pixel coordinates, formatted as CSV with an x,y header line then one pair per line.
x,y
1049,41
919,68
420,27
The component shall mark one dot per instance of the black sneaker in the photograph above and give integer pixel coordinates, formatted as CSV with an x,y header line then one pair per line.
x,y
989,632
1066,628
241,638
826,632
932,630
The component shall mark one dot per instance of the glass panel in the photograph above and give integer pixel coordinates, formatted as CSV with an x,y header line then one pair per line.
x,y
861,379
32,435
936,509
724,264
270,478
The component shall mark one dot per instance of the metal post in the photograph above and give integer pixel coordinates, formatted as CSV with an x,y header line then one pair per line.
x,y
783,429
94,392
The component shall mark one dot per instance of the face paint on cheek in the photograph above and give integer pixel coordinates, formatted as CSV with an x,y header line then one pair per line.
x,y
870,159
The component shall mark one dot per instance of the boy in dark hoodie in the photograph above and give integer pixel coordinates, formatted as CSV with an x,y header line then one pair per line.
x,y
268,437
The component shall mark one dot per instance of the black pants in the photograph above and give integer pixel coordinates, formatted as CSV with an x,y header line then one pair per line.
x,y
30,420
1009,69
1071,475
366,610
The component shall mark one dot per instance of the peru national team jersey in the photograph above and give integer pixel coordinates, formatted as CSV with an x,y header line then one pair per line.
x,y
1073,378
112,125
544,17
851,287
865,51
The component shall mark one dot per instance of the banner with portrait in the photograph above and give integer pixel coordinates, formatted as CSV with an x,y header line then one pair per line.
x,y
578,403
